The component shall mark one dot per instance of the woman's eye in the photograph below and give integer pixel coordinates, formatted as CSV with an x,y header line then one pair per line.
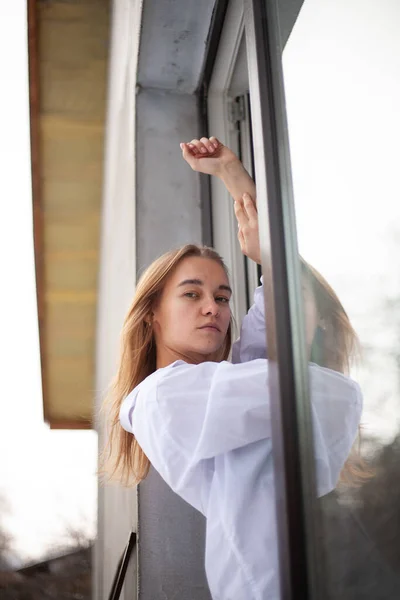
x,y
222,299
190,294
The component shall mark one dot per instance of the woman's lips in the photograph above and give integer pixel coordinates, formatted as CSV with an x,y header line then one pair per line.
x,y
210,328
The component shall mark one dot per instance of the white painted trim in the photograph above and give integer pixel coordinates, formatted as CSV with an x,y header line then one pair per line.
x,y
117,507
224,222
247,151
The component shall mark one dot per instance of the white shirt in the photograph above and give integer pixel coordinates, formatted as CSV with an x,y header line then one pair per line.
x,y
207,430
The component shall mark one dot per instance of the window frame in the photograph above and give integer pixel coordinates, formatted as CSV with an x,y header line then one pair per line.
x,y
223,218
292,438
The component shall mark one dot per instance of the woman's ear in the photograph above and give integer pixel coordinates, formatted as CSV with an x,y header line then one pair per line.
x,y
149,318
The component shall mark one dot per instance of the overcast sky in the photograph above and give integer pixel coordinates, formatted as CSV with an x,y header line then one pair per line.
x,y
47,477
342,80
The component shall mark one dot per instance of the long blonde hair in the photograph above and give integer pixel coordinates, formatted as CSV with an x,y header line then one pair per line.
x,y
335,342
335,346
123,458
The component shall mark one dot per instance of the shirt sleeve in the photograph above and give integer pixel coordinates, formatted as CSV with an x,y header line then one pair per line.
x,y
183,416
252,343
186,414
205,409
336,413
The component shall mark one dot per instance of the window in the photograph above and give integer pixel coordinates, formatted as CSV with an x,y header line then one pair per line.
x,y
229,120
339,83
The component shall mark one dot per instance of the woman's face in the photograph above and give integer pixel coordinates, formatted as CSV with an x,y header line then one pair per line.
x,y
192,316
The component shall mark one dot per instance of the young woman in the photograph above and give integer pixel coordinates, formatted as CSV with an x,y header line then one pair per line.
x,y
204,423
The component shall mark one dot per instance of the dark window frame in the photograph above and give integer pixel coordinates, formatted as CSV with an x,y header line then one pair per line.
x,y
296,504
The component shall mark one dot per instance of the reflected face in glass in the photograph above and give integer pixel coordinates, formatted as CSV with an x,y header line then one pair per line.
x,y
192,316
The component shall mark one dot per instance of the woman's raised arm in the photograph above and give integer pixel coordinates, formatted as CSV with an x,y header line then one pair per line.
x,y
211,157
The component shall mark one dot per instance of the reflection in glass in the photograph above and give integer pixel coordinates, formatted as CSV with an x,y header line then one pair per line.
x,y
341,68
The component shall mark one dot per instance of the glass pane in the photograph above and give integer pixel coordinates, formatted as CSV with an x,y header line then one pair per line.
x,y
342,83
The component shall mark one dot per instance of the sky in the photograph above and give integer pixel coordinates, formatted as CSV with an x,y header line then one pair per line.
x,y
46,477
342,85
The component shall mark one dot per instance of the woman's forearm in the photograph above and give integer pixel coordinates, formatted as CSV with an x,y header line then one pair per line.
x,y
237,181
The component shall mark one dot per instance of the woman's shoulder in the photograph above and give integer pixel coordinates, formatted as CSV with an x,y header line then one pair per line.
x,y
335,380
148,388
177,375
327,372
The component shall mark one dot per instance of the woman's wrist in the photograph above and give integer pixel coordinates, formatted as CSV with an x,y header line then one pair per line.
x,y
231,171
237,181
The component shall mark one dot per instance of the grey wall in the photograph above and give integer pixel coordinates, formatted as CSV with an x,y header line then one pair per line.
x,y
171,545
168,205
173,44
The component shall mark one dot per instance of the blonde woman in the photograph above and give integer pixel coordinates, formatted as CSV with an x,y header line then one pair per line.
x,y
204,423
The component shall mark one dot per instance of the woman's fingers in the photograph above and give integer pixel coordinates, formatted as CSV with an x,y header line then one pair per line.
x,y
250,207
206,155
193,149
185,148
241,240
245,209
240,214
191,156
216,143
203,146
208,145
198,147
187,153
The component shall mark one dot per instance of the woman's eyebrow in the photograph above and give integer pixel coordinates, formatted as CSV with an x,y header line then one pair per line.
x,y
199,282
190,282
225,287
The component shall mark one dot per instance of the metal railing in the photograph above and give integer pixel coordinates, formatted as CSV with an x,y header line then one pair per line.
x,y
123,563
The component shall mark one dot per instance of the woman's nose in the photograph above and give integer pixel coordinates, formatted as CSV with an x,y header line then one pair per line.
x,y
211,308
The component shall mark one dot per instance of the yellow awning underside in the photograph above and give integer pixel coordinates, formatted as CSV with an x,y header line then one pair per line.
x,y
72,57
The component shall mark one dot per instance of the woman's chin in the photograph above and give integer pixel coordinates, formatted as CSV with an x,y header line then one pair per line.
x,y
212,354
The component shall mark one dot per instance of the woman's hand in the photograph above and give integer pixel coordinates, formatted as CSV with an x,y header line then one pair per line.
x,y
209,156
247,218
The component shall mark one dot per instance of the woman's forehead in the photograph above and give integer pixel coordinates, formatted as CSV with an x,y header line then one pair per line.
x,y
200,268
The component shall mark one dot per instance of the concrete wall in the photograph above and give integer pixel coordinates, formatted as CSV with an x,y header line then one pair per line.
x,y
168,192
